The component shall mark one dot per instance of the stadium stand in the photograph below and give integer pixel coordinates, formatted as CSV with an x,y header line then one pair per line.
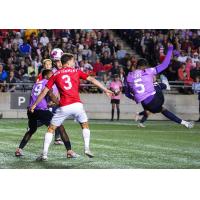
x,y
152,45
101,53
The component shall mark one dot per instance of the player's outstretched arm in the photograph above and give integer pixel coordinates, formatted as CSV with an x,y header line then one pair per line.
x,y
99,85
40,97
166,61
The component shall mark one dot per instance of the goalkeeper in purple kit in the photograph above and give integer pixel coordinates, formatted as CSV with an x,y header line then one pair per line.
x,y
140,87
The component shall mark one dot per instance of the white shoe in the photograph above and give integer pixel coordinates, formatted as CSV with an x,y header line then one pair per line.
x,y
165,81
42,158
189,124
89,153
137,116
141,125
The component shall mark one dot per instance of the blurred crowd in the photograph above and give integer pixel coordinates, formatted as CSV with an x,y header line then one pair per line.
x,y
98,53
152,45
23,50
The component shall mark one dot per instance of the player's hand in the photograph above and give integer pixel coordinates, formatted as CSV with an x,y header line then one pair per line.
x,y
170,45
32,108
109,93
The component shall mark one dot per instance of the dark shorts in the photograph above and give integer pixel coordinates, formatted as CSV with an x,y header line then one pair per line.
x,y
155,105
42,116
115,101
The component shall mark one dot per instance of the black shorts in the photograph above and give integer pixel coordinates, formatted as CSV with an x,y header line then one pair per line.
x,y
115,101
155,105
42,116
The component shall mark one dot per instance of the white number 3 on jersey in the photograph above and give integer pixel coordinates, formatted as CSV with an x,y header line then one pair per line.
x,y
67,81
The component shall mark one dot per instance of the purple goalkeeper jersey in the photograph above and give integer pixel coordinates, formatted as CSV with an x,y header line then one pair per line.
x,y
140,82
37,89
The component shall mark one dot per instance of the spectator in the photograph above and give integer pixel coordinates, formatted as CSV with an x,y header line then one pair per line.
x,y
44,40
121,52
115,68
184,76
87,67
5,52
3,74
98,67
195,58
106,48
11,81
196,89
18,40
25,49
195,72
182,57
106,59
86,52
116,87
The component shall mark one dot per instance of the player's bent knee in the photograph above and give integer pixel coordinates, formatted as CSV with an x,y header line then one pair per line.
x,y
51,128
84,125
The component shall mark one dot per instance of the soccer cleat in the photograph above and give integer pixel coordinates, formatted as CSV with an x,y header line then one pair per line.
x,y
137,116
72,154
141,125
42,158
189,124
19,152
89,153
165,81
58,142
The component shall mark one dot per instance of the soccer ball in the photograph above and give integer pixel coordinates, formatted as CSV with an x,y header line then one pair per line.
x,y
116,92
56,54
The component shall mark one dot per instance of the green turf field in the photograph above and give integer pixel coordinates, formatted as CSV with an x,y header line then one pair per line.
x,y
115,145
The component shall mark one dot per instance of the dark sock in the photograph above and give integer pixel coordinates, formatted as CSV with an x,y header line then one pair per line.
x,y
144,118
25,139
118,113
171,116
57,134
65,138
112,114
142,113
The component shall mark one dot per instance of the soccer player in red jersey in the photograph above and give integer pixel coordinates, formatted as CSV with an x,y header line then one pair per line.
x,y
67,81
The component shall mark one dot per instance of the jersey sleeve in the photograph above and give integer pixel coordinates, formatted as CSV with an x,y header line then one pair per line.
x,y
51,82
151,71
82,75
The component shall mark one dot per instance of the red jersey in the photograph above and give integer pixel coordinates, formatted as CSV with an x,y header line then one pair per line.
x,y
39,78
67,80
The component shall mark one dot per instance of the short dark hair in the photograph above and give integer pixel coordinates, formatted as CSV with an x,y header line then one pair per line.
x,y
66,57
45,72
142,62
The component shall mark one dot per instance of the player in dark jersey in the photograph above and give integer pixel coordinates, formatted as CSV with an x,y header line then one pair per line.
x,y
43,115
140,87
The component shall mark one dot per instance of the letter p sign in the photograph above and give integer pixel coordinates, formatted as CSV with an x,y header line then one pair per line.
x,y
21,100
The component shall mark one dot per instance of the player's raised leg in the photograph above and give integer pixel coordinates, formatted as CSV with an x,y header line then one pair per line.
x,y
176,119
